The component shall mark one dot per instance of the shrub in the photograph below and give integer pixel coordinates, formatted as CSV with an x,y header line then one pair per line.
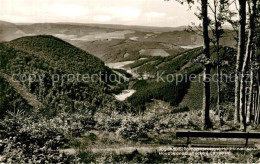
x,y
131,129
113,124
32,138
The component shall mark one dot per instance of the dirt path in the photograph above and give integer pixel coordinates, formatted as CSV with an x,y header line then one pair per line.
x,y
124,149
178,147
20,89
150,149
130,149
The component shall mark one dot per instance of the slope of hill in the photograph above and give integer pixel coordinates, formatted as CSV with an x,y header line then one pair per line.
x,y
123,50
10,99
48,61
168,79
9,31
59,53
21,90
130,47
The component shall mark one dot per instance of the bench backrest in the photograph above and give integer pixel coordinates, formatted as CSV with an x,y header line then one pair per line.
x,y
217,134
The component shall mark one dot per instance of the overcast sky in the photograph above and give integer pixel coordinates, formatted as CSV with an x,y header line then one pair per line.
x,y
128,12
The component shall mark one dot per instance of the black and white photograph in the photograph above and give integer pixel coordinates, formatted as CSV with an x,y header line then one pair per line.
x,y
129,81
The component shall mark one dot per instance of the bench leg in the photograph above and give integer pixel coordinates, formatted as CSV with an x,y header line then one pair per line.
x,y
246,142
188,140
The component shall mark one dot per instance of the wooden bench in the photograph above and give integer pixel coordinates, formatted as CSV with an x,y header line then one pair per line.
x,y
208,134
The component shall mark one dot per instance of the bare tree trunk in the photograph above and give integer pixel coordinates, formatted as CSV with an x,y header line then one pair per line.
x,y
246,66
257,101
217,33
240,56
206,89
253,74
257,105
219,86
253,106
250,98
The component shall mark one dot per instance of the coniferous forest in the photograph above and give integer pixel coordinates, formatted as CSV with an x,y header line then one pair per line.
x,y
110,93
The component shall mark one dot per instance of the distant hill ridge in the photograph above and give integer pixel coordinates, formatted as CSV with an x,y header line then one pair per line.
x,y
112,42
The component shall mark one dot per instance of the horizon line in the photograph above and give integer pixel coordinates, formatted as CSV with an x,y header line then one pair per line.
x,y
116,24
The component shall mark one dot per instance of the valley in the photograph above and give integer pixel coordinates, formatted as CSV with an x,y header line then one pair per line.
x,y
141,96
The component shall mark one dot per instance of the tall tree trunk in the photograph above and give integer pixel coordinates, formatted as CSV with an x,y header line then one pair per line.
x,y
257,101
246,66
219,109
252,89
250,98
206,89
240,56
257,105
217,35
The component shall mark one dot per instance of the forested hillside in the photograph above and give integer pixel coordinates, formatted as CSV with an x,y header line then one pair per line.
x,y
47,56
174,88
